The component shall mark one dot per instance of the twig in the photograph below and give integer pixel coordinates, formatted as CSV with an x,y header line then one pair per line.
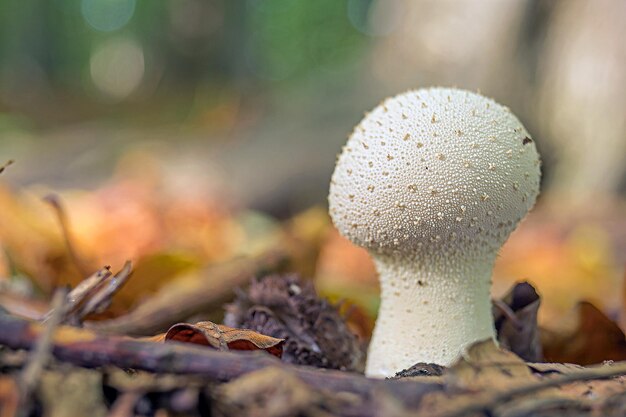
x,y
101,299
59,210
92,295
86,286
42,347
5,165
83,290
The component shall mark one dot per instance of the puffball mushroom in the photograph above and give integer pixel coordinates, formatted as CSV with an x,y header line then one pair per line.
x,y
431,183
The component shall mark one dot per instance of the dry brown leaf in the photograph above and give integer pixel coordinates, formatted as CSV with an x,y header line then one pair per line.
x,y
593,339
568,256
595,389
252,395
483,372
515,317
614,406
72,392
287,395
151,273
484,365
491,381
223,337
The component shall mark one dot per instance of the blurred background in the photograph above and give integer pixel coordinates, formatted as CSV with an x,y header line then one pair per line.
x,y
196,126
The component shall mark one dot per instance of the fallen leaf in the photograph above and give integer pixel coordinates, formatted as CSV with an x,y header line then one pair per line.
x,y
476,378
488,380
594,338
515,318
223,337
254,395
614,406
151,273
568,255
72,392
484,365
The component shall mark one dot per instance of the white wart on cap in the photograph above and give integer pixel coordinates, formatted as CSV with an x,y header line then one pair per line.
x,y
432,182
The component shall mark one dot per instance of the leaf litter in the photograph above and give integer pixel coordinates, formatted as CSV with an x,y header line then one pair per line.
x,y
151,342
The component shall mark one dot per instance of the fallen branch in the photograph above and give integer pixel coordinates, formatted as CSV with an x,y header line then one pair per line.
x,y
86,348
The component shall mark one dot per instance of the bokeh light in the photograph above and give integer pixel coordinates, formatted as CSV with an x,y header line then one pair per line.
x,y
375,18
107,15
117,67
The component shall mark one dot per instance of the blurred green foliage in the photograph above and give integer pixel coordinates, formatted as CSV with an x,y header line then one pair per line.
x,y
292,38
50,44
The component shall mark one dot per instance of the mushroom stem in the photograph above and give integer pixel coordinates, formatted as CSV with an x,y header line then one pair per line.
x,y
432,308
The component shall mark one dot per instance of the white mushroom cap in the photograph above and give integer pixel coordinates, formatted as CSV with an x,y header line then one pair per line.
x,y
435,173
434,165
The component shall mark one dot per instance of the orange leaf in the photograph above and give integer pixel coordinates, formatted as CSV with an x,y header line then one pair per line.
x,y
223,337
593,339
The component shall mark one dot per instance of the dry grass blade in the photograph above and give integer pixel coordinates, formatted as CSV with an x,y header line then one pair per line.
x,y
55,202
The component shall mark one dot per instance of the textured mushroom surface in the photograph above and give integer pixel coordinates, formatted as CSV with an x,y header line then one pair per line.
x,y
432,182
